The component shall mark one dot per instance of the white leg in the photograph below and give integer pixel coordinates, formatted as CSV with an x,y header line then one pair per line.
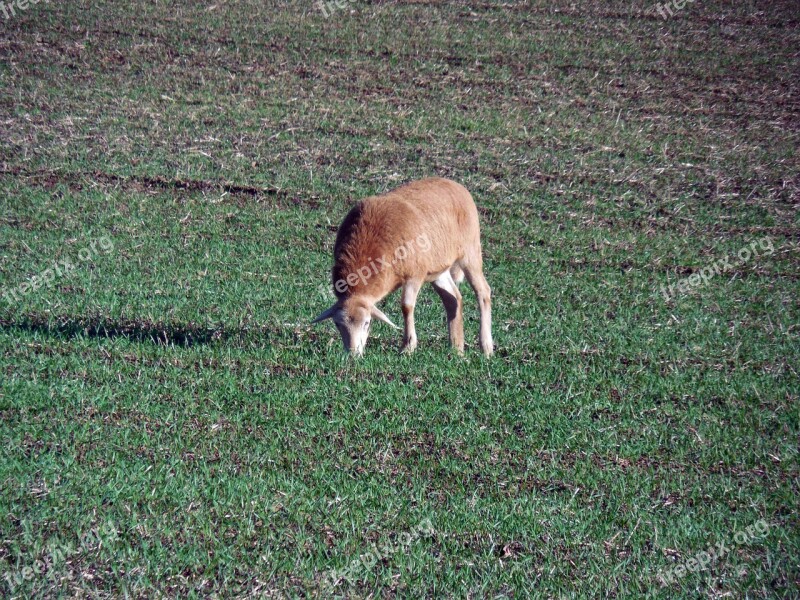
x,y
409,301
451,298
484,293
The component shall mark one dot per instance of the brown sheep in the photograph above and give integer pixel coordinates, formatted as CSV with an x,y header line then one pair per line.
x,y
424,231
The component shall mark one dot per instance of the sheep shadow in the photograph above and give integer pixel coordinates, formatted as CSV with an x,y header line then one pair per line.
x,y
138,330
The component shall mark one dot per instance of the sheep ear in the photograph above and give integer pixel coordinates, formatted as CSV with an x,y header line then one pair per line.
x,y
379,315
326,314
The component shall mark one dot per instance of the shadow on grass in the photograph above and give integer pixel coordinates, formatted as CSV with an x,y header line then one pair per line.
x,y
163,334
77,181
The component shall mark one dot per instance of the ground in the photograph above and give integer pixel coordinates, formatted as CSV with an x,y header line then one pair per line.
x,y
171,178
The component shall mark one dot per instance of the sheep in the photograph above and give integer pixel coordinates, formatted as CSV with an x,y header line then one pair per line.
x,y
424,231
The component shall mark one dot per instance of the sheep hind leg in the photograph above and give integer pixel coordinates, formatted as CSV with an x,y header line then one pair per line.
x,y
451,298
474,273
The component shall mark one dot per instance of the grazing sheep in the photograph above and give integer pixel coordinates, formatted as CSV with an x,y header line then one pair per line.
x,y
424,231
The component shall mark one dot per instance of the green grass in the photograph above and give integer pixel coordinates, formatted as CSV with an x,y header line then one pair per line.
x,y
171,391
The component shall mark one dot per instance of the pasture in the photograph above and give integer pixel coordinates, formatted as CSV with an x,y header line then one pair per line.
x,y
172,175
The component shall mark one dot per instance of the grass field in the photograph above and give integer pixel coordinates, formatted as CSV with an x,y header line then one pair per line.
x,y
172,175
